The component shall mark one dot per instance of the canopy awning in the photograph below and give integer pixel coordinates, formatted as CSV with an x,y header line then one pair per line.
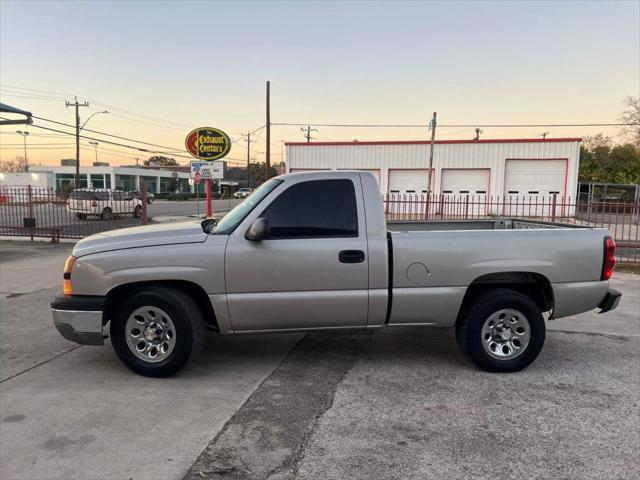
x,y
8,109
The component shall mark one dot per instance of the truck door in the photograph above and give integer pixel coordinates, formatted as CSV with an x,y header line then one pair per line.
x,y
312,271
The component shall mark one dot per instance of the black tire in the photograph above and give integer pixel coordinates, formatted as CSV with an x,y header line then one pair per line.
x,y
80,216
187,320
137,212
477,310
106,214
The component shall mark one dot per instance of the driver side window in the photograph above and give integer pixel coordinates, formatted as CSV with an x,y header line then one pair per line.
x,y
318,208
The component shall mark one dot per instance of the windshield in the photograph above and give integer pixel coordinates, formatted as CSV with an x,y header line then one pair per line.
x,y
235,216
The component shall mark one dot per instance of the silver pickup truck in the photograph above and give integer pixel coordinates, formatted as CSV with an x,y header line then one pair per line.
x,y
312,251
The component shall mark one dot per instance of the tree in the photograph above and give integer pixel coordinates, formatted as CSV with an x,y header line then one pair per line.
x,y
601,161
17,165
257,172
160,161
173,183
631,117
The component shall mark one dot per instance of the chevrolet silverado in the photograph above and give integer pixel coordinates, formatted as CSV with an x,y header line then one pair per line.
x,y
311,251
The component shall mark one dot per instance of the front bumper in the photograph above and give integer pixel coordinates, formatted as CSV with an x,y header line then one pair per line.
x,y
79,318
610,301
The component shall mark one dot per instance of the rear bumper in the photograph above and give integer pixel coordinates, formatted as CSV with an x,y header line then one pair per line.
x,y
79,318
610,301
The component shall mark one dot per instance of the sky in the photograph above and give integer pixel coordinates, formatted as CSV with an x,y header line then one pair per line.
x,y
164,68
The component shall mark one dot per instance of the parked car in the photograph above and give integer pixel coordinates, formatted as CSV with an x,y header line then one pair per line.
x,y
138,194
243,193
311,251
103,203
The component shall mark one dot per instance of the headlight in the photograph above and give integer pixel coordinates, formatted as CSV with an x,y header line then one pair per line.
x,y
66,284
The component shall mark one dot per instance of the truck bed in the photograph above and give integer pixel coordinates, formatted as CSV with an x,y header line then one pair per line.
x,y
483,224
435,261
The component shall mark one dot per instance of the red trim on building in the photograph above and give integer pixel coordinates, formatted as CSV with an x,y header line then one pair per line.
x,y
437,142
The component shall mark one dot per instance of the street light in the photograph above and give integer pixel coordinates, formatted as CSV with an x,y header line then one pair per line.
x,y
95,146
78,130
91,116
24,138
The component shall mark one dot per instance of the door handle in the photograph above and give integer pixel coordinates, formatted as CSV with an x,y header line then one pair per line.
x,y
351,256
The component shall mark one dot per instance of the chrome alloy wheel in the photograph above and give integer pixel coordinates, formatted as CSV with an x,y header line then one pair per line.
x,y
150,334
506,334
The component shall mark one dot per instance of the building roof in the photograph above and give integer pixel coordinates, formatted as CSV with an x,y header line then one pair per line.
x,y
437,142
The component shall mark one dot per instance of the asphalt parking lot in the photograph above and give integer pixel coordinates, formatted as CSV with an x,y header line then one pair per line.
x,y
57,216
393,404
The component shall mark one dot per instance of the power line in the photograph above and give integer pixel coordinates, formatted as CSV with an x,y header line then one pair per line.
x,y
111,135
62,96
474,125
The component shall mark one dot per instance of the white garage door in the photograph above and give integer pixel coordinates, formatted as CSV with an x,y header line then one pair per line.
x,y
407,193
464,191
412,182
533,183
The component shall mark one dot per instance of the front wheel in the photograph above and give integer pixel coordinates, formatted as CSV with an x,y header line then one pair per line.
x,y
157,330
137,212
501,330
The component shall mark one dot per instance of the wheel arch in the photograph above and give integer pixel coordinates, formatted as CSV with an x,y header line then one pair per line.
x,y
534,285
193,289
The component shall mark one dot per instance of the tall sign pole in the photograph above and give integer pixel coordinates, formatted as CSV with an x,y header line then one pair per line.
x,y
268,148
432,125
209,144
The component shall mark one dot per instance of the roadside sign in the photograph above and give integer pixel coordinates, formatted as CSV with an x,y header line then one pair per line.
x,y
207,170
208,143
197,178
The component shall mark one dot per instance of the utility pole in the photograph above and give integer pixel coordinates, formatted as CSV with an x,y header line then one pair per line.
x,y
77,105
268,149
478,132
308,131
432,126
248,140
24,135
544,135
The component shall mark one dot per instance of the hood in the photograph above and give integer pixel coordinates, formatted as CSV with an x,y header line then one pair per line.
x,y
144,236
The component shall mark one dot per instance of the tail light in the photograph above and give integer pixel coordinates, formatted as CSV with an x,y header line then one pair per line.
x,y
66,284
609,261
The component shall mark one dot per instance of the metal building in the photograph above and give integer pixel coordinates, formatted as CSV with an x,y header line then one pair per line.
x,y
497,168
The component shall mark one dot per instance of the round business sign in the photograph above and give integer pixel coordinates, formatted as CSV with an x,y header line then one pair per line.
x,y
208,143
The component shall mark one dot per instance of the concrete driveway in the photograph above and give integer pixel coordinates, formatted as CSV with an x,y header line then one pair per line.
x,y
74,412
389,404
405,404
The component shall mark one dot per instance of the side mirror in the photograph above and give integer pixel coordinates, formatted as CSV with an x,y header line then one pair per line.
x,y
259,230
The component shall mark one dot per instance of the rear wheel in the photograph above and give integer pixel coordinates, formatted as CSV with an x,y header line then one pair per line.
x,y
501,330
157,330
106,214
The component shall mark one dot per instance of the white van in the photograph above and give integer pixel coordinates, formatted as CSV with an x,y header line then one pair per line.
x,y
104,203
